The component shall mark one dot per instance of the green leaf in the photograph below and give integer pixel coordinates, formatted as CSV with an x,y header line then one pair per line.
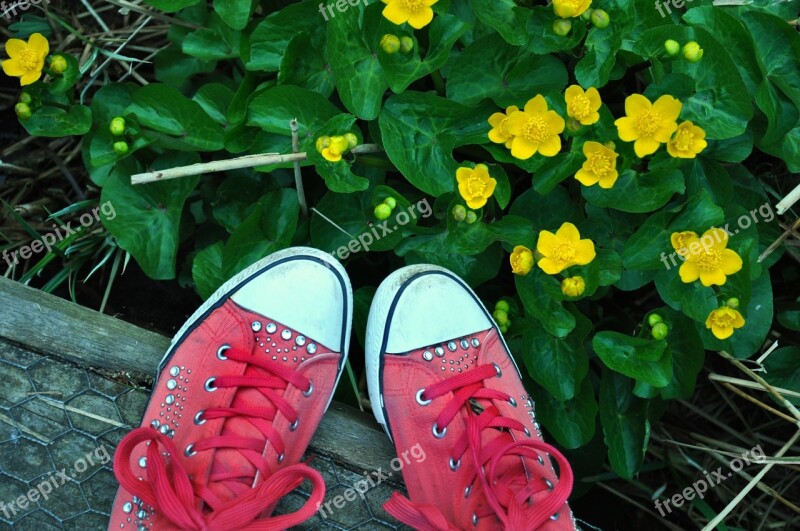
x,y
688,354
170,6
218,41
547,214
274,109
270,39
783,370
68,78
508,75
537,290
215,99
419,132
207,270
174,119
602,45
338,175
638,358
147,220
625,424
433,249
304,65
604,270
778,47
235,13
638,193
55,122
571,422
509,19
473,238
543,40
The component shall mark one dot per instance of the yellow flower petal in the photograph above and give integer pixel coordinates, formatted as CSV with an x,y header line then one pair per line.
x,y
645,146
594,98
586,178
546,242
476,202
496,119
522,149
568,232
535,105
462,174
720,332
668,107
30,77
421,18
590,119
609,180
711,278
11,68
738,320
731,262
584,252
717,237
551,146
15,47
689,272
555,122
490,186
395,13
636,104
550,266
516,122
626,128
572,92
497,136
664,133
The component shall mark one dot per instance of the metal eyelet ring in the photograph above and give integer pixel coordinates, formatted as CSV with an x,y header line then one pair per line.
x,y
210,384
497,369
454,465
189,452
280,457
512,401
310,389
540,459
554,517
220,351
421,401
527,432
467,491
293,426
439,434
198,419
474,518
549,484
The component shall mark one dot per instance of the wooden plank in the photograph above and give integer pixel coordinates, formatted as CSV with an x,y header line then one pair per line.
x,y
51,325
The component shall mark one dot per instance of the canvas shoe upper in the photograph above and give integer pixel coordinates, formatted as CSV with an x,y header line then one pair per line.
x,y
237,400
440,376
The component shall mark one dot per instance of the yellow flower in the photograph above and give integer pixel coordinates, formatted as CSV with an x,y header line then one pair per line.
x,y
680,241
571,8
573,286
417,13
583,106
535,129
499,122
648,124
600,165
475,186
708,259
337,146
521,260
563,249
26,58
687,142
723,320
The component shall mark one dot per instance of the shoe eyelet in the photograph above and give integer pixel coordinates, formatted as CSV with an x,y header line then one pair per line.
x,y
439,434
527,432
454,465
540,459
497,369
209,386
549,484
189,452
293,426
554,517
467,491
475,519
421,401
310,389
220,352
280,457
198,419
512,401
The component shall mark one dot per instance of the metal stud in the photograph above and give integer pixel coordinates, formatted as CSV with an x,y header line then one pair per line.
x,y
274,358
164,429
475,342
497,370
280,457
454,465
467,491
474,518
286,334
311,348
527,432
127,507
141,515
256,326
174,371
427,355
512,401
142,462
439,351
141,528
170,399
452,346
549,484
155,424
136,500
271,328
300,340
285,358
172,384
464,344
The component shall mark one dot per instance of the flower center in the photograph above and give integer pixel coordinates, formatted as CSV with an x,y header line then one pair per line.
x,y
412,5
722,319
600,164
579,107
476,187
28,59
684,140
536,130
708,260
564,251
648,123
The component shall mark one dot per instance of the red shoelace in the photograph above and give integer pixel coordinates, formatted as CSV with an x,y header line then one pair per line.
x,y
509,492
169,489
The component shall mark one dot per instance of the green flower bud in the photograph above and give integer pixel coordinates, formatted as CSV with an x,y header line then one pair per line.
x,y
586,15
323,142
600,18
459,213
502,305
390,43
117,126
692,52
562,26
58,64
352,139
610,145
24,97
660,331
733,302
391,201
573,125
653,319
672,47
121,147
406,44
472,217
383,211
500,317
23,110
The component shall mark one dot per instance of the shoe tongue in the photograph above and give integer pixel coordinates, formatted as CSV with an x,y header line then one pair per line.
x,y
278,343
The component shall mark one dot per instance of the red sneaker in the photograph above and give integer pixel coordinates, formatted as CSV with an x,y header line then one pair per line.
x,y
440,376
238,397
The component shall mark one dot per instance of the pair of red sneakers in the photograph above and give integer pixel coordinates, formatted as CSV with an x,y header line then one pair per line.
x,y
246,381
